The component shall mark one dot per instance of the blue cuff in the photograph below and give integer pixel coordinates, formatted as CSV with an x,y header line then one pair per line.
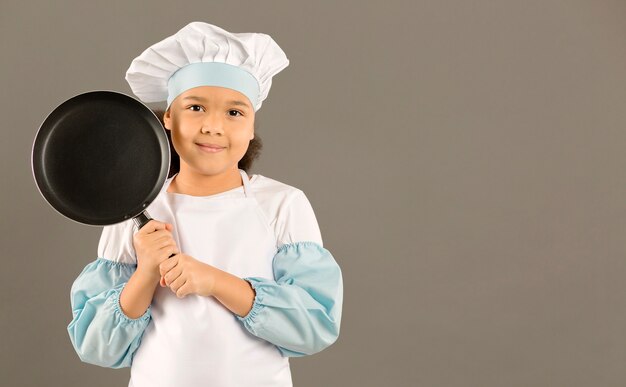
x,y
300,311
100,331
117,293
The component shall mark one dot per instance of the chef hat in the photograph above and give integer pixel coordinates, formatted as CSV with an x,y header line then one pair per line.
x,y
201,54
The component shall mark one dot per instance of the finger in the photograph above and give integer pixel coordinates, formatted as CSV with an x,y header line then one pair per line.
x,y
168,264
171,259
151,226
158,235
184,290
172,275
168,252
177,283
163,244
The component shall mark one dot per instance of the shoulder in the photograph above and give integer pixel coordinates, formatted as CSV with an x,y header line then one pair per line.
x,y
261,183
276,197
288,210
268,190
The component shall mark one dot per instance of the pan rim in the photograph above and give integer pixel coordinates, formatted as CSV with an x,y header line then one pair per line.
x,y
163,173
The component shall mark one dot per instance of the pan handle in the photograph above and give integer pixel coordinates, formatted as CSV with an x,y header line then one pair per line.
x,y
141,220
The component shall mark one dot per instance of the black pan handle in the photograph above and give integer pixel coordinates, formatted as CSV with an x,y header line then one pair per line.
x,y
141,219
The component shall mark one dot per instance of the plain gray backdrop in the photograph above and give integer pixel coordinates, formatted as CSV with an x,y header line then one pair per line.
x,y
464,159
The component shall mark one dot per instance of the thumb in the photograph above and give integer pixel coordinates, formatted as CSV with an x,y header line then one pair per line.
x,y
169,227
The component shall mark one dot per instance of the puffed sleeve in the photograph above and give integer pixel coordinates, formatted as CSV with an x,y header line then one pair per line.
x,y
299,310
100,332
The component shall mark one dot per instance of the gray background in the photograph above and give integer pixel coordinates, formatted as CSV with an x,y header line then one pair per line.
x,y
464,158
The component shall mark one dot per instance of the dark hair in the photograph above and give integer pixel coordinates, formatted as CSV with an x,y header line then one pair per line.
x,y
253,152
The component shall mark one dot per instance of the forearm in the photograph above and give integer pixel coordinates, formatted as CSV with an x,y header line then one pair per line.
x,y
233,292
137,294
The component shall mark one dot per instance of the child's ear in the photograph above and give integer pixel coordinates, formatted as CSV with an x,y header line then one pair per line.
x,y
167,120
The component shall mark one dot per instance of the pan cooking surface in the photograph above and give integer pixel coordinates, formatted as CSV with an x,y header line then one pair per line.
x,y
99,158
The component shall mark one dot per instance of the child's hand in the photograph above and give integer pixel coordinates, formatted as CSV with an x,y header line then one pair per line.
x,y
186,275
153,244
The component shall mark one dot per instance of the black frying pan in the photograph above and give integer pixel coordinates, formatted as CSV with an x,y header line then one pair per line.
x,y
100,158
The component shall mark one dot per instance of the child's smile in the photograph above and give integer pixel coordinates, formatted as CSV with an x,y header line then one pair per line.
x,y
210,148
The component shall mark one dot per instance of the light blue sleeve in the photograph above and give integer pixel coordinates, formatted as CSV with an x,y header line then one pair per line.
x,y
100,332
299,312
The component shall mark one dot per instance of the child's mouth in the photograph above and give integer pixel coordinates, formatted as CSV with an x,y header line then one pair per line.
x,y
210,148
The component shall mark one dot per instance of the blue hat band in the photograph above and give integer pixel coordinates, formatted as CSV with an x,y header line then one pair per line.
x,y
213,74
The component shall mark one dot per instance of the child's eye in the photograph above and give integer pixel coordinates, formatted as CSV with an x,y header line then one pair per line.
x,y
234,113
195,108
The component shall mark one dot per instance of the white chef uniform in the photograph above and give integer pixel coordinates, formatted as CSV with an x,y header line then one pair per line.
x,y
266,232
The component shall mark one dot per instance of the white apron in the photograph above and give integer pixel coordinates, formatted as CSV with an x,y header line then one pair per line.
x,y
196,341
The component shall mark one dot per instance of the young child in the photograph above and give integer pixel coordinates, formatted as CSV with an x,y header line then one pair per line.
x,y
248,283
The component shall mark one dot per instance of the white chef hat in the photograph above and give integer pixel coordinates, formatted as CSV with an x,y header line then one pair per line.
x,y
201,54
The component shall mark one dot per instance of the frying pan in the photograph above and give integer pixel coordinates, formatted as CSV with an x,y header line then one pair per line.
x,y
101,158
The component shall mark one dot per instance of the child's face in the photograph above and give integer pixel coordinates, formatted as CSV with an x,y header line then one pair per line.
x,y
210,115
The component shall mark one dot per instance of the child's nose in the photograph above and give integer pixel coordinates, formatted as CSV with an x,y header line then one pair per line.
x,y
212,124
